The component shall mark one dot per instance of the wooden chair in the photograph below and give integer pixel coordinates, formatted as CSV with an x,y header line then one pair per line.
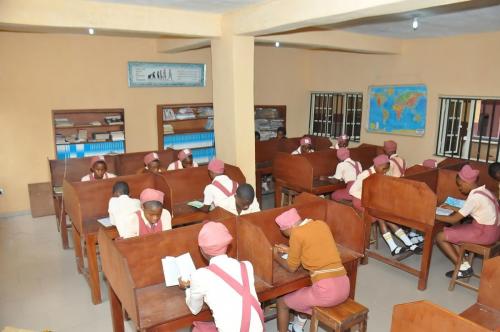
x,y
342,317
473,249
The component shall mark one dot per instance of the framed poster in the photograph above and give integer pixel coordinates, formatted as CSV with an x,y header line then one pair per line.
x,y
397,109
158,74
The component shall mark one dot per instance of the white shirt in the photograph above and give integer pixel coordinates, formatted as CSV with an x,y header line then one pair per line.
x,y
120,208
298,151
229,204
357,187
129,227
171,166
225,303
213,195
345,170
393,169
482,209
106,176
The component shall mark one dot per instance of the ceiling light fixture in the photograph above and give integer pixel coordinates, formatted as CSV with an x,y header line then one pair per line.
x,y
91,31
277,44
414,24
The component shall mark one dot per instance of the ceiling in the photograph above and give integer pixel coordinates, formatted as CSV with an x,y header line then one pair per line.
x,y
213,6
432,24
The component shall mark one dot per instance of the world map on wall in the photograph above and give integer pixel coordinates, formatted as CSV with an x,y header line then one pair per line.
x,y
398,109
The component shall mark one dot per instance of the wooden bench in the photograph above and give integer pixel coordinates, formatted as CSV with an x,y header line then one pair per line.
x,y
342,317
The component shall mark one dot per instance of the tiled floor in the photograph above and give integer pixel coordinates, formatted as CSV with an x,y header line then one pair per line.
x,y
41,289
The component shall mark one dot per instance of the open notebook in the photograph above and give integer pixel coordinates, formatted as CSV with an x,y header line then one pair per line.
x,y
455,202
174,267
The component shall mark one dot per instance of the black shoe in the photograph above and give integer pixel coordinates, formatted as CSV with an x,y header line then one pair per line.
x,y
398,251
417,250
462,274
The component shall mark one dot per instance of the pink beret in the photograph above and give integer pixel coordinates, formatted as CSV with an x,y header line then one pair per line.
x,y
468,174
343,138
150,157
431,163
183,154
96,159
380,160
390,146
148,195
288,218
343,153
216,166
214,238
305,140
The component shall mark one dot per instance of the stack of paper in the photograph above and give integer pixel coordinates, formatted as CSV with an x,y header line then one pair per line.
x,y
443,212
177,267
113,120
60,139
101,136
185,113
168,114
63,122
168,129
117,136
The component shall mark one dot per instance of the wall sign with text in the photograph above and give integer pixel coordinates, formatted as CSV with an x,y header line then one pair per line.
x,y
157,74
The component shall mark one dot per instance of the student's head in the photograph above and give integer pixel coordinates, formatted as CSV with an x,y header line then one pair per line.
x,y
120,188
215,167
186,158
467,179
305,145
214,239
281,133
244,197
257,136
343,154
152,204
494,171
98,167
152,162
390,147
430,163
381,164
343,141
288,220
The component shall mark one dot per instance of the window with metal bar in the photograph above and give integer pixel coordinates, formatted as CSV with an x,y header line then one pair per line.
x,y
333,114
469,128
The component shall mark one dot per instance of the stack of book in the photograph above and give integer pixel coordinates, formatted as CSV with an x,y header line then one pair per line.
x,y
205,112
168,129
113,120
185,114
60,139
63,122
117,136
100,137
168,114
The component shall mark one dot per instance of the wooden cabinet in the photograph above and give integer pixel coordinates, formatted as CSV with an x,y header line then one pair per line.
x,y
88,132
268,118
182,126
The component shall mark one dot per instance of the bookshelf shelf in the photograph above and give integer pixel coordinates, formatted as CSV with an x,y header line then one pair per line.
x,y
268,118
104,127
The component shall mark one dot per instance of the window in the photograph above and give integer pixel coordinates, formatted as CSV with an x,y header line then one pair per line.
x,y
333,114
469,128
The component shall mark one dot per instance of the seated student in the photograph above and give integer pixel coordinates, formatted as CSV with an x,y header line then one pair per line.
x,y
221,187
121,206
430,163
381,166
243,202
305,146
347,171
281,133
226,285
342,142
257,136
397,164
311,245
494,172
185,160
152,164
482,206
98,170
151,218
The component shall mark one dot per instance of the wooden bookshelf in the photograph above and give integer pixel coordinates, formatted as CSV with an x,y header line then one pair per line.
x,y
191,127
79,121
267,118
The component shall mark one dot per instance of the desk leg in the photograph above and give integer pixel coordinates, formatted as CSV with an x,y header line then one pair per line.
x,y
426,259
95,287
277,194
64,230
116,311
77,245
258,187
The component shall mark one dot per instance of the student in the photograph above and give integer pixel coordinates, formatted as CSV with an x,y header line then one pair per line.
x,y
281,133
226,285
494,172
482,206
152,164
151,218
305,146
398,164
381,166
342,142
430,163
257,136
243,202
312,246
347,171
121,206
221,187
185,160
98,170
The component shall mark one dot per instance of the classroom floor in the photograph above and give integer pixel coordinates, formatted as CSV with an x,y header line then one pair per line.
x,y
41,289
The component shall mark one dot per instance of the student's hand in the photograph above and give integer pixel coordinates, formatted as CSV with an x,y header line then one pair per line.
x,y
183,284
282,248
449,207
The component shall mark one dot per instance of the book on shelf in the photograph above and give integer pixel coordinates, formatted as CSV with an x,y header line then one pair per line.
x,y
60,139
185,113
168,114
168,129
267,113
117,135
210,124
95,123
205,112
113,120
82,135
100,136
63,123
